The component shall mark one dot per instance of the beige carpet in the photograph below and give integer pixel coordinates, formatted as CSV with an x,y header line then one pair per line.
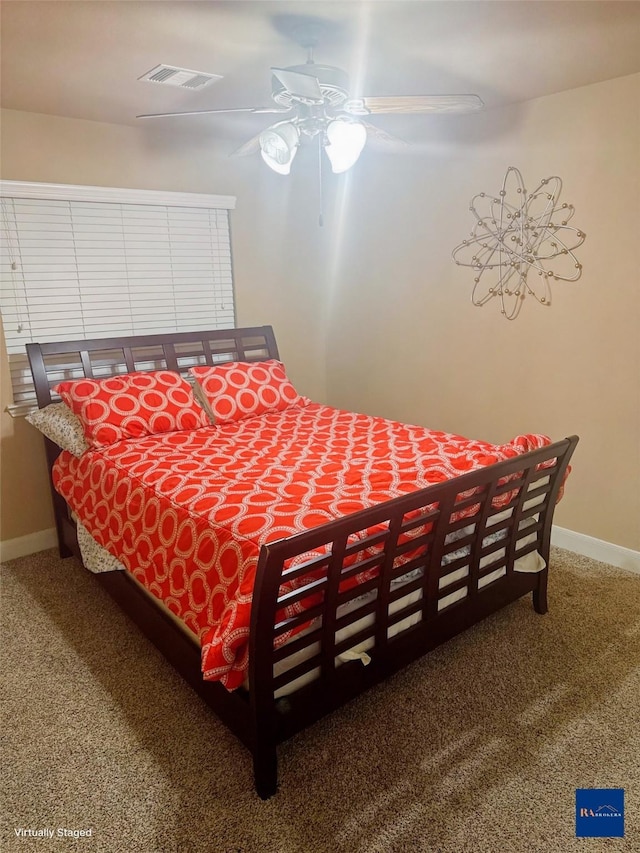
x,y
479,747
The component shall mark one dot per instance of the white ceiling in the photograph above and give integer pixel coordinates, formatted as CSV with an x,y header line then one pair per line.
x,y
82,58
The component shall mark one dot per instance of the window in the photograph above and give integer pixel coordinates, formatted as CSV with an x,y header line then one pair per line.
x,y
92,262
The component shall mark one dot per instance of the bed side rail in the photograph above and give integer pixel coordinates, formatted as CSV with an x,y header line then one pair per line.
x,y
432,562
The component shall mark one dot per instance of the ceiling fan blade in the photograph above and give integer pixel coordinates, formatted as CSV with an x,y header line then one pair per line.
x,y
249,147
414,104
381,139
303,87
211,112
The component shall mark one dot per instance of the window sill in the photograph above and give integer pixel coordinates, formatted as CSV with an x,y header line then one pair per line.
x,y
19,410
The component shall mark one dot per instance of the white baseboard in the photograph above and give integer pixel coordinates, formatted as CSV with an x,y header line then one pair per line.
x,y
10,549
597,549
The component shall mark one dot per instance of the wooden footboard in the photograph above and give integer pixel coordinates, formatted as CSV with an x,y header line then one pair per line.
x,y
444,558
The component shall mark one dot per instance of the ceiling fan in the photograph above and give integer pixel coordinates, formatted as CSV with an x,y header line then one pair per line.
x,y
315,103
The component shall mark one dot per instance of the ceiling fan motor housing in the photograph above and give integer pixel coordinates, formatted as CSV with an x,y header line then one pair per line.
x,y
334,84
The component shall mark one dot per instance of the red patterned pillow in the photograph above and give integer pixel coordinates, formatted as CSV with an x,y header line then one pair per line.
x,y
240,389
132,405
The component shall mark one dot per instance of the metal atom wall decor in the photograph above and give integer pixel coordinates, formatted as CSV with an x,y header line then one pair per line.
x,y
515,238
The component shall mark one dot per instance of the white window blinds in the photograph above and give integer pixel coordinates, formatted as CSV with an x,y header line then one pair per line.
x,y
86,262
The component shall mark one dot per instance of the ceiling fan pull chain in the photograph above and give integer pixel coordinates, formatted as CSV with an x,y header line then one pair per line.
x,y
321,215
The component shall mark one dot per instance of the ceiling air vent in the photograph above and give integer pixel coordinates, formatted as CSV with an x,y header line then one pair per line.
x,y
183,78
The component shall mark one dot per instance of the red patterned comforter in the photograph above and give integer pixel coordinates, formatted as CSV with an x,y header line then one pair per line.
x,y
187,512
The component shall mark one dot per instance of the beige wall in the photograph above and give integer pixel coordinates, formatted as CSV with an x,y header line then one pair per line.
x,y
371,313
405,342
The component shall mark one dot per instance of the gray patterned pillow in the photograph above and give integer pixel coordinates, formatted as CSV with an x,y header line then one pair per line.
x,y
59,423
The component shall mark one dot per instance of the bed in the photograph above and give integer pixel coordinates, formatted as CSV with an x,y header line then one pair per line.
x,y
344,592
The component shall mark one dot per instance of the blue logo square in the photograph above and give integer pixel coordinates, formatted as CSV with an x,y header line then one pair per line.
x,y
600,812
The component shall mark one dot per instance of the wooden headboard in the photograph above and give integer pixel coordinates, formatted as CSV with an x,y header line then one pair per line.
x,y
102,357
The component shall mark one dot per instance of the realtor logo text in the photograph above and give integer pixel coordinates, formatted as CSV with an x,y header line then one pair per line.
x,y
60,832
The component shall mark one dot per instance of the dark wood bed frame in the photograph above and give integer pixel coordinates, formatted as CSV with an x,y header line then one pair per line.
x,y
259,720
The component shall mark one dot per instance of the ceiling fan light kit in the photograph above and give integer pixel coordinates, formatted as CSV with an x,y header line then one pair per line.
x,y
278,146
342,141
345,140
